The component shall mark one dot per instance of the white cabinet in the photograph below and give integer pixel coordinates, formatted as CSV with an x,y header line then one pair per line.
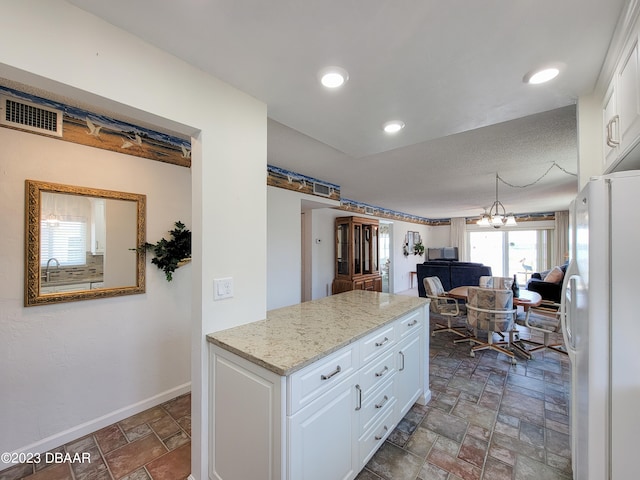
x,y
73,287
611,126
628,96
408,384
621,107
324,421
322,437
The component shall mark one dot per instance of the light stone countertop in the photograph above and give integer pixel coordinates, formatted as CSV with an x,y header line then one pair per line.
x,y
292,337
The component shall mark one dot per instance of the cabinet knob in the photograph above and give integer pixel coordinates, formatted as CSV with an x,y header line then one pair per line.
x,y
381,436
379,344
382,403
329,375
382,372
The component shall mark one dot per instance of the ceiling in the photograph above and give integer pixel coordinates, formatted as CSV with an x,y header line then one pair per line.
x,y
452,71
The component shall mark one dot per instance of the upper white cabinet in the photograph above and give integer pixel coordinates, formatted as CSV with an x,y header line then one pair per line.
x,y
621,110
610,120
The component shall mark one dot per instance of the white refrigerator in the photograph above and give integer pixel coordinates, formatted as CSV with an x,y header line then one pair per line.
x,y
601,327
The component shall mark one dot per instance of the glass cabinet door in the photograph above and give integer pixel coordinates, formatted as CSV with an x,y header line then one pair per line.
x,y
357,249
375,256
342,251
366,249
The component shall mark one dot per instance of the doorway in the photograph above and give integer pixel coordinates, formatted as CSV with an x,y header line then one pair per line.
x,y
385,234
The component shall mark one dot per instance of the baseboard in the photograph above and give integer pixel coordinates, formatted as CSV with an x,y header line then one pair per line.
x,y
79,431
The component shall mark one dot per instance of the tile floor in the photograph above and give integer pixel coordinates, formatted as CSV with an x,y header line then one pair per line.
x,y
152,445
487,420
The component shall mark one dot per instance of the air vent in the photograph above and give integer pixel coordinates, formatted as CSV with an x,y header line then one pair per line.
x,y
320,189
29,116
368,210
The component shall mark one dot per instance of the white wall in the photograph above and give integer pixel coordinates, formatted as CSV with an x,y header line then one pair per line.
x,y
284,261
71,363
118,71
323,253
438,236
284,247
590,153
401,266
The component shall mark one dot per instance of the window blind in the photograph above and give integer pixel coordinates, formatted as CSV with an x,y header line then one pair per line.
x,y
64,240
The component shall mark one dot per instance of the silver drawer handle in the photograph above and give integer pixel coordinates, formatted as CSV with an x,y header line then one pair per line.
x,y
382,372
401,356
335,372
380,437
383,402
359,397
415,322
379,344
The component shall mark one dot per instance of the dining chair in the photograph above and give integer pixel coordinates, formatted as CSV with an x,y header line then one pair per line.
x,y
442,305
548,325
491,310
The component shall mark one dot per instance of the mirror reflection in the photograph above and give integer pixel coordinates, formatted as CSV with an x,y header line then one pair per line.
x,y
83,243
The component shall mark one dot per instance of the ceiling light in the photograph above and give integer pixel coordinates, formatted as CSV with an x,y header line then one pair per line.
x,y
333,77
497,216
541,76
393,126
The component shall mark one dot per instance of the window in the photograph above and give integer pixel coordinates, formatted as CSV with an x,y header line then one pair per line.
x,y
512,252
65,240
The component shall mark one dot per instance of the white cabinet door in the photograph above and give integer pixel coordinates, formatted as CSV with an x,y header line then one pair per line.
x,y
611,133
245,437
408,379
322,437
628,101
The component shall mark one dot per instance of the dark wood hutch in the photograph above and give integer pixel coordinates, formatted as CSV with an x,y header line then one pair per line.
x,y
357,258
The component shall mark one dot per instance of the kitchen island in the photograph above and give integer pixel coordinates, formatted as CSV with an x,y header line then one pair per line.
x,y
312,391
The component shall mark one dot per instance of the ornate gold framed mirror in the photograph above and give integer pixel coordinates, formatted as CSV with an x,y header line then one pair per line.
x,y
82,243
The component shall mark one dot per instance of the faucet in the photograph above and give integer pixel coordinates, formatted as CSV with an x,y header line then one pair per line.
x,y
47,269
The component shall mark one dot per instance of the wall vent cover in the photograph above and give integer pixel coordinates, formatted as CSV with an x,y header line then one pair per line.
x,y
29,116
320,189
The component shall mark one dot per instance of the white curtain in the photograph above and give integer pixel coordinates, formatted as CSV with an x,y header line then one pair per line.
x,y
561,247
459,237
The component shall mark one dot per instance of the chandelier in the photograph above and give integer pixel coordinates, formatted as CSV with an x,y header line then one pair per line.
x,y
497,216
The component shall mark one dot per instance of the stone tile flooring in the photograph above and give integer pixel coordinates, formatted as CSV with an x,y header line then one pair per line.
x,y
487,420
152,445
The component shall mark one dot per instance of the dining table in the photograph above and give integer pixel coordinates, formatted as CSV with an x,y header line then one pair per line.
x,y
526,299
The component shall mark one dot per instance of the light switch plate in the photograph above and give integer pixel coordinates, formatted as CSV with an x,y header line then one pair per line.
x,y
222,288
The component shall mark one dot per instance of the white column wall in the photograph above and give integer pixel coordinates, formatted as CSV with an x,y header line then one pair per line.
x,y
65,50
284,247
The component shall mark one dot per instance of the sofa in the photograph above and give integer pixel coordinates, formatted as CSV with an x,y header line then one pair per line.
x,y
548,283
451,273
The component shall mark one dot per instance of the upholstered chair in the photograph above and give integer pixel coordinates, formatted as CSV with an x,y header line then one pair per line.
x,y
491,310
442,305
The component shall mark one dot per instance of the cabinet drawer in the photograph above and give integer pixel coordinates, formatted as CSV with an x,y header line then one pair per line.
x,y
376,343
408,324
374,437
375,405
313,380
377,372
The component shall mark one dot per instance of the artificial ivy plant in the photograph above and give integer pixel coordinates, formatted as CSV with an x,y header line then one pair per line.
x,y
170,254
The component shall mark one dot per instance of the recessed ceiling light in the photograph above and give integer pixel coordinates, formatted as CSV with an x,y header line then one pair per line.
x,y
541,76
393,126
333,77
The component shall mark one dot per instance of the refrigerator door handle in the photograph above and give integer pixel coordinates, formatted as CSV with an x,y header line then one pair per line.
x,y
567,309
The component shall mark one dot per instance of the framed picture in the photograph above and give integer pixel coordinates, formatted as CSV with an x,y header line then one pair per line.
x,y
416,238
